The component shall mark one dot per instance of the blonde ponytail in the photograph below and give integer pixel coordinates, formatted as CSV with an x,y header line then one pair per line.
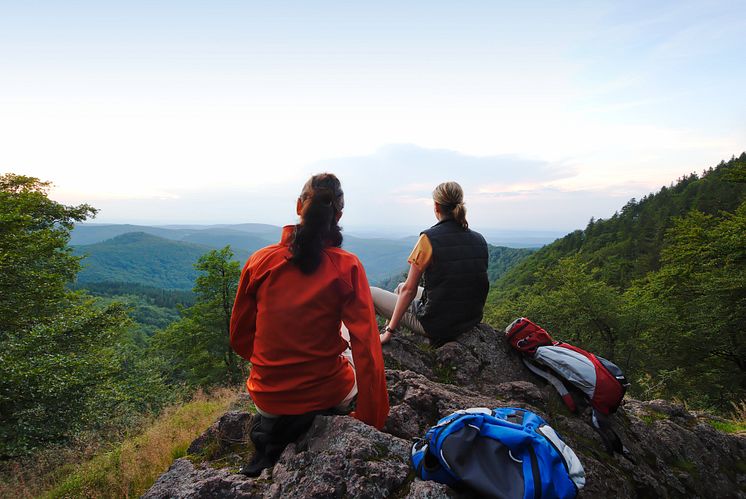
x,y
450,197
459,213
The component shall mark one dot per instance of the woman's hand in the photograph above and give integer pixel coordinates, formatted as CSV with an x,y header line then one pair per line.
x,y
385,337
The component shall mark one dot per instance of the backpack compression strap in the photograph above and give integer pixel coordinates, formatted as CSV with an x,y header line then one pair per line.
x,y
610,438
554,381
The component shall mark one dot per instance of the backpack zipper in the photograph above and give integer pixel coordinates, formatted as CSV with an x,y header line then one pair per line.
x,y
520,328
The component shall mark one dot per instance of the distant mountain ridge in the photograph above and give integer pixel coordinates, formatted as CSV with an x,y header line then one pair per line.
x,y
242,236
381,257
163,256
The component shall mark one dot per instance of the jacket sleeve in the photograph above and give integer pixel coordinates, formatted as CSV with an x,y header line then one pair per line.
x,y
360,318
243,317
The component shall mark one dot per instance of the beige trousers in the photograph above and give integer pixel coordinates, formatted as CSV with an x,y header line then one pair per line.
x,y
385,302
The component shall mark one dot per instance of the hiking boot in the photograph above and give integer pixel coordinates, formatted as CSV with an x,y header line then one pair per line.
x,y
256,465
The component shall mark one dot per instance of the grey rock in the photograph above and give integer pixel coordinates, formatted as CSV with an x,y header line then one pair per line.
x,y
232,429
185,480
417,402
338,457
341,457
432,490
479,359
676,453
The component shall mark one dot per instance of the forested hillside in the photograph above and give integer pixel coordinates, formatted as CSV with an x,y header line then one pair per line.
x,y
150,308
137,257
502,259
628,245
660,287
248,236
163,256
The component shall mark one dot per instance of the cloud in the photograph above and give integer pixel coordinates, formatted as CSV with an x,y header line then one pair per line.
x,y
393,185
410,171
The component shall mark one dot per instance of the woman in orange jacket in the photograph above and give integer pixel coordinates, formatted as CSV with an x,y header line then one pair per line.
x,y
293,303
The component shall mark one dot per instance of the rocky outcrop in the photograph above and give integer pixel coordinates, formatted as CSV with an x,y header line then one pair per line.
x,y
676,453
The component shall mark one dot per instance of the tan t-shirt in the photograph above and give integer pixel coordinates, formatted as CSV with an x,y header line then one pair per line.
x,y
422,253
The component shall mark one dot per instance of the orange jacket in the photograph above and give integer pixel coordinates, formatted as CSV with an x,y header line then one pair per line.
x,y
287,324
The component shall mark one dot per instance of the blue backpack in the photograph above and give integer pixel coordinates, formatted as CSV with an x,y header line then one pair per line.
x,y
502,453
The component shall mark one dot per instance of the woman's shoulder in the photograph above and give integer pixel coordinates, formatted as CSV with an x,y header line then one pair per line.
x,y
478,235
267,254
342,255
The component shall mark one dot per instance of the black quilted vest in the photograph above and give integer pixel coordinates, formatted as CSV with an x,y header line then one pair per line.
x,y
456,282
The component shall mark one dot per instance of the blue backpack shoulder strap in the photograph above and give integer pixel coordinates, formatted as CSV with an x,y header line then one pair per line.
x,y
554,470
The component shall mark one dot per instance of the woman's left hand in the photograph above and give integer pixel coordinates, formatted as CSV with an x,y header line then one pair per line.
x,y
385,337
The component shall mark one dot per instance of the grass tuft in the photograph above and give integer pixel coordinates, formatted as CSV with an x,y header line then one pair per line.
x,y
729,426
130,467
651,416
737,421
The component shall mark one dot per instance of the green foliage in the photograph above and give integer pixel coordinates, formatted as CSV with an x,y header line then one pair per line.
x,y
150,308
501,259
197,346
35,263
67,362
130,467
728,426
660,288
628,245
55,377
570,303
700,293
650,416
159,297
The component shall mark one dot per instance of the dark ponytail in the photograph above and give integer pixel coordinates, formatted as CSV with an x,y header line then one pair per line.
x,y
321,200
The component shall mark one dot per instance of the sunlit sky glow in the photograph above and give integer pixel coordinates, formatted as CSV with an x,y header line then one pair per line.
x,y
216,112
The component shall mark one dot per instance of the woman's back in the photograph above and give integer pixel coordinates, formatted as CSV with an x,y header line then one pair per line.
x,y
298,319
452,261
287,319
455,282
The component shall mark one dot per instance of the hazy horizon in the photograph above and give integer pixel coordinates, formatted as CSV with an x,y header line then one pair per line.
x,y
527,238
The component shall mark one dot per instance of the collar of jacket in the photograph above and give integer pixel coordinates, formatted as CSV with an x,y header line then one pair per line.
x,y
287,235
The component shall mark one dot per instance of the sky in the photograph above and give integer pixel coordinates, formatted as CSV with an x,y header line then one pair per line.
x,y
547,113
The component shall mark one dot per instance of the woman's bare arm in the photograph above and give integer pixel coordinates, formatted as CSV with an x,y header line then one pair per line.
x,y
406,295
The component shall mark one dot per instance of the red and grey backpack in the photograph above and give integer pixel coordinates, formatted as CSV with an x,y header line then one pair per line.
x,y
566,367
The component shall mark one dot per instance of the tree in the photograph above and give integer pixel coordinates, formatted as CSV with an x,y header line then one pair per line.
x,y
60,365
573,305
57,378
693,310
197,346
35,261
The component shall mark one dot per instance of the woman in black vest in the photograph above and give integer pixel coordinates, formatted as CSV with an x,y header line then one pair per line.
x,y
453,260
